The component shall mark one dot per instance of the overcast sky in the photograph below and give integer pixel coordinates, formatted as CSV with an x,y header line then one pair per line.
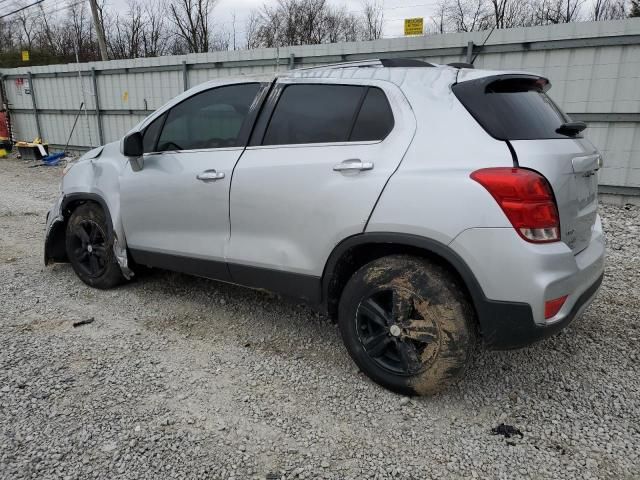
x,y
395,11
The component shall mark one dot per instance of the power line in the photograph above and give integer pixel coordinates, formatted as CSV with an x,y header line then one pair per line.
x,y
21,9
54,8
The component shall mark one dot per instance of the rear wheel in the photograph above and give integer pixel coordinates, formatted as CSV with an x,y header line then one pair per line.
x,y
90,248
407,324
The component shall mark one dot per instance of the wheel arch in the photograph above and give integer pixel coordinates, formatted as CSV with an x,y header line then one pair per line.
x,y
55,249
355,251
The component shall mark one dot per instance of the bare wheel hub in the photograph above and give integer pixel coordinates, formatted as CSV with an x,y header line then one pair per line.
x,y
395,330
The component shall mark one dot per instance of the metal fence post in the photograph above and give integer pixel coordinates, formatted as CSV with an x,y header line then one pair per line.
x,y
469,52
292,59
96,100
185,76
35,105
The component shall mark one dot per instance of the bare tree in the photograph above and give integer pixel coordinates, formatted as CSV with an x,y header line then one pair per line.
x,y
373,19
305,22
438,21
154,37
126,32
557,11
608,10
8,36
27,26
48,35
80,31
635,8
192,21
469,15
499,7
252,30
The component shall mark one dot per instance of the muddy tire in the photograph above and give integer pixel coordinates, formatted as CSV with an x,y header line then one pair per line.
x,y
90,248
407,324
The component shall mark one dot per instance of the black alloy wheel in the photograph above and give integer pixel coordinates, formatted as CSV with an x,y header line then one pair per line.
x,y
89,248
89,245
407,323
394,333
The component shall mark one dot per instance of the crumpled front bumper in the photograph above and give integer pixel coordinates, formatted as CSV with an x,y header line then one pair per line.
x,y
54,226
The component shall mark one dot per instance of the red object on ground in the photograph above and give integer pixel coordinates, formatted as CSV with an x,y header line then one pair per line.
x,y
4,128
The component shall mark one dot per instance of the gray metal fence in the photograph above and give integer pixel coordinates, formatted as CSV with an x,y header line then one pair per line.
x,y
594,68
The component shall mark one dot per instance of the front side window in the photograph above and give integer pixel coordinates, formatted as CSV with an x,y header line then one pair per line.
x,y
150,135
210,119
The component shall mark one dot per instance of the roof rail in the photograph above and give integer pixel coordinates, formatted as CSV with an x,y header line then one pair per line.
x,y
355,63
377,62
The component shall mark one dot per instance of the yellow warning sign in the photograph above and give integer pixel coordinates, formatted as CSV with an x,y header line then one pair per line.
x,y
414,26
25,55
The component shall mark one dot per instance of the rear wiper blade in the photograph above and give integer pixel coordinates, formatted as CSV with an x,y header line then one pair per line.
x,y
571,128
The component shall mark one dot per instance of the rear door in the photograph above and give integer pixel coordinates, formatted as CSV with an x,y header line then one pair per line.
x,y
517,109
319,158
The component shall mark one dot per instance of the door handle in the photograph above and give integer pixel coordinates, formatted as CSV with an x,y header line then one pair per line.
x,y
353,165
210,175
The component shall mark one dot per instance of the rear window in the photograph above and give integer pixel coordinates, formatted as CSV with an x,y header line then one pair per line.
x,y
512,108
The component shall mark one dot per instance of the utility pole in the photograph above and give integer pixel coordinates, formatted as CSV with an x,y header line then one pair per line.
x,y
99,30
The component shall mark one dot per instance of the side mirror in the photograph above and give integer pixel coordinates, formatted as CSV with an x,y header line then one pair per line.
x,y
132,145
133,149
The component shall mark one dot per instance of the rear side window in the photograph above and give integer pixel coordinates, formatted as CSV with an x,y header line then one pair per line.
x,y
375,119
512,108
313,114
329,113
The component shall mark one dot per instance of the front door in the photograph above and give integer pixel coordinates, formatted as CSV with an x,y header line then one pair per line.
x,y
175,210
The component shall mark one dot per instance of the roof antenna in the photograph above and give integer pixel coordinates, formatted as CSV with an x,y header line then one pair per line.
x,y
482,46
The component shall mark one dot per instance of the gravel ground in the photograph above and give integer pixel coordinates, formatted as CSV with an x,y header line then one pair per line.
x,y
180,377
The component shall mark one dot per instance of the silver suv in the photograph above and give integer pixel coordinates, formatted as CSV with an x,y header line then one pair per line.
x,y
424,207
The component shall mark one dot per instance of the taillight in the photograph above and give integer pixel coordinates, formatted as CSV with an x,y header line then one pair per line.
x,y
526,199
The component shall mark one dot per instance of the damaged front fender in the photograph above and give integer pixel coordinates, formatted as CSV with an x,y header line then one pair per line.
x,y
54,247
55,236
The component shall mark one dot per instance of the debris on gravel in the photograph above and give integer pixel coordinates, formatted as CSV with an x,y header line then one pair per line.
x,y
185,378
507,431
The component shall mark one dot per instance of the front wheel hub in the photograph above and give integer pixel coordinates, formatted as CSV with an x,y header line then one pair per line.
x,y
89,247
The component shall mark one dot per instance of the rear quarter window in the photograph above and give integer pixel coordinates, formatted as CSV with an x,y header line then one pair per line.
x,y
512,108
375,120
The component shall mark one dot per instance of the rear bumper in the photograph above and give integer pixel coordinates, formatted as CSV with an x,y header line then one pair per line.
x,y
510,325
517,278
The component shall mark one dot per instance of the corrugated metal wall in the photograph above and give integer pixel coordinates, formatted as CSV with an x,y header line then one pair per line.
x,y
594,68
